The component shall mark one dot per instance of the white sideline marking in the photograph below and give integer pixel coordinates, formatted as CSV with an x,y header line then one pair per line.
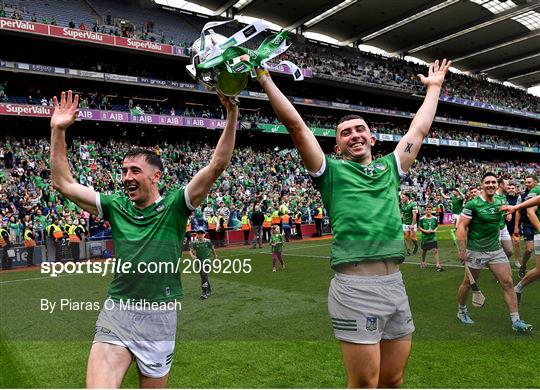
x,y
42,277
328,257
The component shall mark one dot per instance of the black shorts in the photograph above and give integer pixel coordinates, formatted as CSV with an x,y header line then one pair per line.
x,y
429,245
527,231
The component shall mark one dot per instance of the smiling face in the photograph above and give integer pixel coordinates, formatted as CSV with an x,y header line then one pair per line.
x,y
354,141
489,186
140,180
530,183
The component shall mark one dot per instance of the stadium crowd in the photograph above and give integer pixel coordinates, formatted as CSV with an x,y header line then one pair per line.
x,y
270,177
342,63
161,106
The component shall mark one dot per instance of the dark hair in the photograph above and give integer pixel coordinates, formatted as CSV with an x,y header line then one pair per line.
x,y
500,180
511,184
429,206
150,157
349,117
488,174
534,177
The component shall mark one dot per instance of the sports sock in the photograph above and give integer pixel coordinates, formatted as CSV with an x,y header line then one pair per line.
x,y
518,287
462,308
514,317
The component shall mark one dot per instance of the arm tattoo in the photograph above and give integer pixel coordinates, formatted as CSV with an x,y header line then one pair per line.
x,y
408,148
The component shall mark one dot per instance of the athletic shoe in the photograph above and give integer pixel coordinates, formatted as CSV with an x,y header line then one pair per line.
x,y
204,296
273,269
520,326
440,269
415,250
408,253
464,317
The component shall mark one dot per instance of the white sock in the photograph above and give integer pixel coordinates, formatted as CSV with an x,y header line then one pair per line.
x,y
462,308
514,316
518,287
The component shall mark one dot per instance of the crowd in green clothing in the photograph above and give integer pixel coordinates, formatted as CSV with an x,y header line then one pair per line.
x,y
263,175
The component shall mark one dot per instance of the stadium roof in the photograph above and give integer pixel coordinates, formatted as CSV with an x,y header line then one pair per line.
x,y
500,38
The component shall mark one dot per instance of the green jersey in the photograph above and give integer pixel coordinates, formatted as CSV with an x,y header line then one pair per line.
x,y
502,199
408,209
457,204
363,205
484,227
276,241
532,193
428,224
202,248
150,235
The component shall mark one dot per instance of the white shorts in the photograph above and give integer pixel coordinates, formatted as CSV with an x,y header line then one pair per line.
x,y
537,244
505,235
479,260
407,228
455,218
366,309
148,334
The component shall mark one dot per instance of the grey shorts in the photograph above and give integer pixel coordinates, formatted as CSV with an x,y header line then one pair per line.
x,y
366,309
479,260
148,334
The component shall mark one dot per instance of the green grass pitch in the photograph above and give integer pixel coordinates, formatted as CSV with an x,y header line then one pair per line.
x,y
266,329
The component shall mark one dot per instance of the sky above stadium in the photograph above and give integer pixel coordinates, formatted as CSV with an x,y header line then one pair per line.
x,y
188,6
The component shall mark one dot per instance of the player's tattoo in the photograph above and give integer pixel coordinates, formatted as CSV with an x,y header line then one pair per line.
x,y
408,148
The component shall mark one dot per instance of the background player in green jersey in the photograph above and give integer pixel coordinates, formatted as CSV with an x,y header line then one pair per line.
x,y
532,204
367,301
202,250
276,242
479,246
456,199
504,235
145,228
409,212
428,226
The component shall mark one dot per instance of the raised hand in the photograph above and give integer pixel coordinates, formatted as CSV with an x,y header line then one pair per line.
x,y
230,103
66,112
508,209
436,73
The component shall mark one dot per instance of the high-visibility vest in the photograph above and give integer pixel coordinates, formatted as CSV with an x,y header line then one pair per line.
x,y
212,222
267,223
245,222
276,219
3,242
73,237
286,219
55,231
298,218
319,215
28,241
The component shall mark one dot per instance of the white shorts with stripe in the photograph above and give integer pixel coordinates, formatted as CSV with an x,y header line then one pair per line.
x,y
148,334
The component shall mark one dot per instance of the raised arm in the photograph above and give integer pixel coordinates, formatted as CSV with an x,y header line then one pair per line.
x,y
409,146
201,183
528,203
305,142
64,115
